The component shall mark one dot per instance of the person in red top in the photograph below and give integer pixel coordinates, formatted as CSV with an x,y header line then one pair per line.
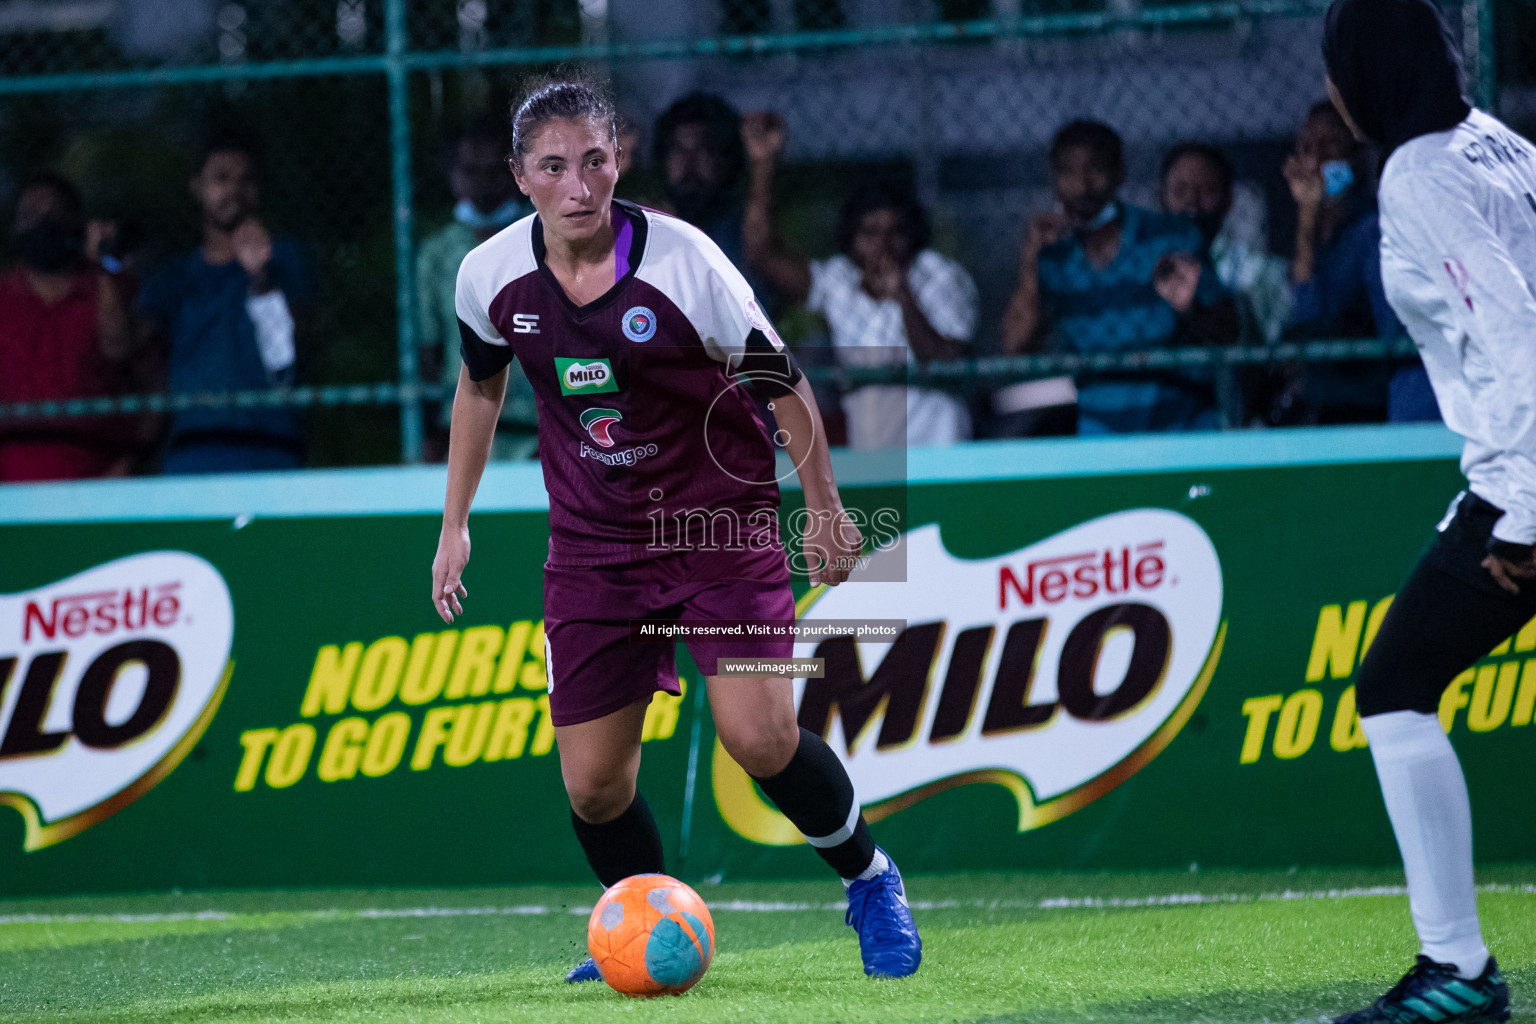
x,y
64,333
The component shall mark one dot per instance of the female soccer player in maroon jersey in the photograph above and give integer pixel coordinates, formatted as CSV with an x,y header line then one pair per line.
x,y
641,342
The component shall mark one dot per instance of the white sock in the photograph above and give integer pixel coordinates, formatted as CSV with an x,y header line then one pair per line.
x,y
1426,797
878,866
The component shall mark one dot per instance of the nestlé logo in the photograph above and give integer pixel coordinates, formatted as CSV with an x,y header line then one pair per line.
x,y
107,679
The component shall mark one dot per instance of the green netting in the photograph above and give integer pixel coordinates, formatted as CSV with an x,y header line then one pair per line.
x,y
352,104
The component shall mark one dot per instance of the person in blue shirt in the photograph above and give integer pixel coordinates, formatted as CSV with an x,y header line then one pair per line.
x,y
1336,285
229,312
1102,276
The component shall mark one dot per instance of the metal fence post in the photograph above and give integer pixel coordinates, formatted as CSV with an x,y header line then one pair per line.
x,y
405,241
1480,52
1488,61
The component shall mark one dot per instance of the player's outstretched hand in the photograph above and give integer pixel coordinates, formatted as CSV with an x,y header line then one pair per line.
x,y
1508,574
831,545
447,572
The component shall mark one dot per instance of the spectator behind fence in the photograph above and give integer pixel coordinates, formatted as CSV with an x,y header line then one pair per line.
x,y
487,200
887,297
703,163
1198,182
231,311
1099,275
64,333
1336,284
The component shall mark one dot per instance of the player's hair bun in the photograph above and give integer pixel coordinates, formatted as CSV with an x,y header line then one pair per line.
x,y
565,93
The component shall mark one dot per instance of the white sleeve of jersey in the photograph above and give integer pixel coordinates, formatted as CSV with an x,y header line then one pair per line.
x,y
473,308
1436,211
687,267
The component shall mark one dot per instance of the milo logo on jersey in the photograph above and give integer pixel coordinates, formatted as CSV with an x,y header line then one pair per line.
x,y
107,680
1056,671
585,376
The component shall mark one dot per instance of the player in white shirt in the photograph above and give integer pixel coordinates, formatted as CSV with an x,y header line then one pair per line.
x,y
1458,250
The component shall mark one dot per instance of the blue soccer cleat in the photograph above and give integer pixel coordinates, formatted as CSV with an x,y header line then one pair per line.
x,y
888,939
1433,993
584,971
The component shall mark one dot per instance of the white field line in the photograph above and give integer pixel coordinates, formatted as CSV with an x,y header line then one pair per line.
x,y
766,907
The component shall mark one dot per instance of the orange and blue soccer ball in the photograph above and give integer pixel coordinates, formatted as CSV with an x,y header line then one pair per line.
x,y
651,935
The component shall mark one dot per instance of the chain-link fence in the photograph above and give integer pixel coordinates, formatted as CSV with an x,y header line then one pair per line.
x,y
352,109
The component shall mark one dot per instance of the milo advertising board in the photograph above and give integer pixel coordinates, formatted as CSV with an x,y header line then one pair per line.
x,y
1000,676
118,672
1127,654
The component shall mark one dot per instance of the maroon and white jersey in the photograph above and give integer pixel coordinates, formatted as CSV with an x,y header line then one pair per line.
x,y
649,438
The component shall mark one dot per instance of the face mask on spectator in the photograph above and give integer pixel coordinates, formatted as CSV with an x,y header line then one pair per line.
x,y
49,246
1338,178
468,213
1110,212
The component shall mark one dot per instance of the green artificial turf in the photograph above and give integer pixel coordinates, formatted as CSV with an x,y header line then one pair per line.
x,y
1206,947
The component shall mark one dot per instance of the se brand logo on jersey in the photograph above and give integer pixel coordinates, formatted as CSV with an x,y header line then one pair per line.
x,y
107,680
598,422
639,324
525,323
585,376
1056,671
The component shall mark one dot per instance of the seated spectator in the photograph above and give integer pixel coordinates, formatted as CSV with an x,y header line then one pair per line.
x,y
1100,275
64,333
887,298
229,310
487,201
1336,283
1197,182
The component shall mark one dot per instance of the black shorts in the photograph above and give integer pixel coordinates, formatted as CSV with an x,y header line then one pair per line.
x,y
1448,615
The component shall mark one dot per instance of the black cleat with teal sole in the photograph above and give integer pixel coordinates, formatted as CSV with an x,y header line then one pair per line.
x,y
1434,993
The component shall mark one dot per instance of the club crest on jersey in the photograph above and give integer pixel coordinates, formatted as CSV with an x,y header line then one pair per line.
x,y
598,422
639,324
585,376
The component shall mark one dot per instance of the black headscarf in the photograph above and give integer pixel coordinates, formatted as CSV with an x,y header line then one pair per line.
x,y
1396,67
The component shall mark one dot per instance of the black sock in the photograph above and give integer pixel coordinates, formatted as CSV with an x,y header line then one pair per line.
x,y
628,845
815,793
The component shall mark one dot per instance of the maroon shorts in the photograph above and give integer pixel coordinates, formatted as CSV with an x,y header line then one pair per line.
x,y
595,667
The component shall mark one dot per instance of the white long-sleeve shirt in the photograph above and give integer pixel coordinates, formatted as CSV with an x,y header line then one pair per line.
x,y
1458,259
